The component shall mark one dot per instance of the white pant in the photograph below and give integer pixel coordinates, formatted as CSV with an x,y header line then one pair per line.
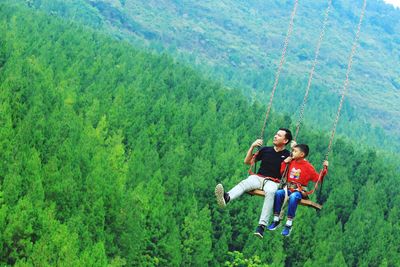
x,y
256,182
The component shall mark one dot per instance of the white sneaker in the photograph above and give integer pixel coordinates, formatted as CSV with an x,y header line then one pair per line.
x,y
219,194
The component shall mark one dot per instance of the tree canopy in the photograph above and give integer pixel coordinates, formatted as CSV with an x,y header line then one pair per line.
x,y
110,156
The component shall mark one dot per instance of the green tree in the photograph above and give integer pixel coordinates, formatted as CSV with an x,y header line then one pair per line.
x,y
196,238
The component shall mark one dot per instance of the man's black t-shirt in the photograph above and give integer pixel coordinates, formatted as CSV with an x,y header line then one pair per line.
x,y
271,161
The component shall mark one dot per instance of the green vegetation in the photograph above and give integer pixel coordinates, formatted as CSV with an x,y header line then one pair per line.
x,y
240,43
109,157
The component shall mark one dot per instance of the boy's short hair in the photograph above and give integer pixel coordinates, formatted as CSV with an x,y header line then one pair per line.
x,y
288,134
303,148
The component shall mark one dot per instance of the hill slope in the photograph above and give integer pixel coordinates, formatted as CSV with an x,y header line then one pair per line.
x,y
241,42
110,156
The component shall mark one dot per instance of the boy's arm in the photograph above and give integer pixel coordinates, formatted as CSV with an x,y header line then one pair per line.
x,y
322,173
283,166
313,174
284,163
324,170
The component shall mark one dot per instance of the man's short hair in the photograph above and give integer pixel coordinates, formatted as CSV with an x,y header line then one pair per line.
x,y
288,134
303,148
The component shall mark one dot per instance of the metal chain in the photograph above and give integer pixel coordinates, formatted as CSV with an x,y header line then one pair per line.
x,y
278,72
346,82
321,37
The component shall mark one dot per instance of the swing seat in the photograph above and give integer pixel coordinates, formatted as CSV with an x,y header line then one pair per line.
x,y
303,202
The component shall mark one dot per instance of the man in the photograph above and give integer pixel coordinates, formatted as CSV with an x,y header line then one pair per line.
x,y
267,177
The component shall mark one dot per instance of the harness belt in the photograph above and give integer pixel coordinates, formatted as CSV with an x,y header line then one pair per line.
x,y
296,186
292,186
267,178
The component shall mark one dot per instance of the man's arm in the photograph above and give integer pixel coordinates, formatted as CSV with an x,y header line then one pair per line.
x,y
249,155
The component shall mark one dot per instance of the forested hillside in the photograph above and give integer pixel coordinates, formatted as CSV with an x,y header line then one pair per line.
x,y
109,157
240,43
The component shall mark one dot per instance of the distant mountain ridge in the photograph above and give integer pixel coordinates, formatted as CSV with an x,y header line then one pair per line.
x,y
240,42
249,35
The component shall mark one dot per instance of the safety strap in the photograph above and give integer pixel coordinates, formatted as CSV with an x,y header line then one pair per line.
x,y
281,214
320,177
284,177
300,187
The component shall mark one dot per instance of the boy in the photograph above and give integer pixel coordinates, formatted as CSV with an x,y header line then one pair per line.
x,y
300,172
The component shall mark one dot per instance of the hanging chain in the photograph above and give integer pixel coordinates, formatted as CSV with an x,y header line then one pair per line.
x,y
321,37
346,82
278,72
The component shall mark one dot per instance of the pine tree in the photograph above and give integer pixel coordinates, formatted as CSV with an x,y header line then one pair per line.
x,y
196,238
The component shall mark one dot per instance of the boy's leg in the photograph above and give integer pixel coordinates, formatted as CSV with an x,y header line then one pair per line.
x,y
294,199
252,182
278,202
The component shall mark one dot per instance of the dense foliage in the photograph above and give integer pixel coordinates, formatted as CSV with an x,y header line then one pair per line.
x,y
109,156
240,42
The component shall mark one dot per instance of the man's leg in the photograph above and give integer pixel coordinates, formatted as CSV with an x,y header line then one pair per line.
x,y
252,182
269,188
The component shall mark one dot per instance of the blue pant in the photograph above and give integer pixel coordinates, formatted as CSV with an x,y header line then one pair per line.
x,y
294,198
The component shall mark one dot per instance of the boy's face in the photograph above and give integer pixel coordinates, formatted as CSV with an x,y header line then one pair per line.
x,y
297,153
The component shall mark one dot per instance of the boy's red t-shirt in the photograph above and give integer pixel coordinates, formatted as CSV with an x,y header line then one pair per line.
x,y
301,171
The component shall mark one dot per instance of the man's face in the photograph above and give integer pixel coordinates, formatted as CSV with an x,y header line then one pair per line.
x,y
279,138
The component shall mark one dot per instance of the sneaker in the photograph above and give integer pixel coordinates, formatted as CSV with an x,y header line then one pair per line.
x,y
274,225
221,196
259,231
286,230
